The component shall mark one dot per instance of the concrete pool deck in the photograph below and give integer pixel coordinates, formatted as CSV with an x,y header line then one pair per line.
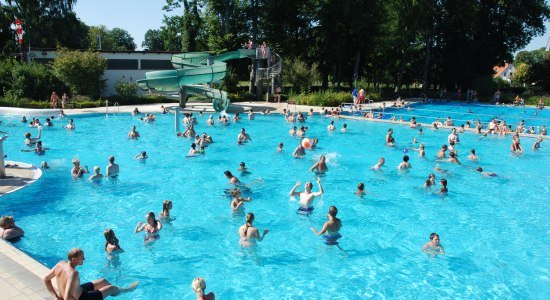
x,y
20,274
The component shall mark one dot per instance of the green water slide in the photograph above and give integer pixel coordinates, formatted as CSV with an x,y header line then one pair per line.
x,y
192,75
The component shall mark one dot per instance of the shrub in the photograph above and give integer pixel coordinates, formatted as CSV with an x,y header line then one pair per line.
x,y
126,89
81,71
485,86
322,98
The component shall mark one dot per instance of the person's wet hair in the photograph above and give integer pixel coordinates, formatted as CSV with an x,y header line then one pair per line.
x,y
333,211
405,158
433,235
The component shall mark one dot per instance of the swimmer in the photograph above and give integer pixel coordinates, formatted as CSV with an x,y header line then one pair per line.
x,y
440,170
301,132
236,117
238,201
516,146
379,164
24,119
415,141
38,149
293,131
193,150
232,179
443,189
421,151
151,228
453,137
430,181
390,141
243,137
405,164
111,241
189,132
251,114
71,125
133,134
344,128
210,121
310,113
136,112
488,174
433,247
77,171
280,147
306,197
536,145
96,176
199,287
8,229
441,152
453,158
331,228
360,189
320,166
141,156
243,169
112,168
166,207
44,165
249,234
300,151
472,156
48,122
331,127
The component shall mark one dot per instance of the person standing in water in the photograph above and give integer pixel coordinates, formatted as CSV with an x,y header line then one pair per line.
x,y
306,197
249,234
331,228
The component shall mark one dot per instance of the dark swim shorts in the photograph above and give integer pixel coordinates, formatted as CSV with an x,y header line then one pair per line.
x,y
88,292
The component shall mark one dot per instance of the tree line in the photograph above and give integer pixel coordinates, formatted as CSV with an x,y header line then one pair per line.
x,y
436,43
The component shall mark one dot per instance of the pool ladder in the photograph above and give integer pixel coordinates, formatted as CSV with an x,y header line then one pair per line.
x,y
116,107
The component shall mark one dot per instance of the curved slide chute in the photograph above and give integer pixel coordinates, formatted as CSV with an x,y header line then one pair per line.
x,y
193,74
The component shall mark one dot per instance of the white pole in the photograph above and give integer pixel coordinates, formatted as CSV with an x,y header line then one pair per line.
x,y
177,120
2,164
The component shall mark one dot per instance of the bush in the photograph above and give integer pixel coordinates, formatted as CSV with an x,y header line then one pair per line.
x,y
81,71
323,98
126,89
485,86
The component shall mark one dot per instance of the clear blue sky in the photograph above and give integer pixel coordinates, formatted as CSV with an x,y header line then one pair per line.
x,y
138,16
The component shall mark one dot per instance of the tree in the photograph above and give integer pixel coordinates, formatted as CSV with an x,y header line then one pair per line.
x,y
522,73
100,38
7,35
122,40
153,41
192,22
47,23
80,71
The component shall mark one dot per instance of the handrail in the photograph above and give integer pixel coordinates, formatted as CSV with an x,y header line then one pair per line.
x,y
107,107
116,107
276,67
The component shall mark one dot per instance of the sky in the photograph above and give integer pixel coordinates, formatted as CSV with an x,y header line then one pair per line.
x,y
138,16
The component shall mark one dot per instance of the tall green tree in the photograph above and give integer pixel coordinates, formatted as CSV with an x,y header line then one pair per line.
x,y
152,40
116,39
191,22
122,40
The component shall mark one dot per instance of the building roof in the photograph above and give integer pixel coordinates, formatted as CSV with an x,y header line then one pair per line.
x,y
498,70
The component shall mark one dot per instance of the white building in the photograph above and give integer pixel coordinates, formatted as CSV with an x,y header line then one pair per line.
x,y
505,72
125,65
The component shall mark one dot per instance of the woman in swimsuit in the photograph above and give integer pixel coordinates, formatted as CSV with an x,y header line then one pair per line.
x,y
111,244
152,227
250,234
199,285
331,228
320,166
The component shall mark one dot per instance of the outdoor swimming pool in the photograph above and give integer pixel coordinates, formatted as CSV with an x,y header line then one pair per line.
x,y
494,229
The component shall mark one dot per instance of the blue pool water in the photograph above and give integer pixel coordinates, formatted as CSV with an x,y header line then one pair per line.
x,y
462,112
494,229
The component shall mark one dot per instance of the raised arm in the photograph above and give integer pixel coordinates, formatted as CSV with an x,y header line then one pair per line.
x,y
321,191
139,227
314,166
293,190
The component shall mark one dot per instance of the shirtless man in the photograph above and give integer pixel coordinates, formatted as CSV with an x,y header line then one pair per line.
x,y
453,137
441,152
453,158
307,197
68,281
243,137
133,134
405,164
472,156
112,168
